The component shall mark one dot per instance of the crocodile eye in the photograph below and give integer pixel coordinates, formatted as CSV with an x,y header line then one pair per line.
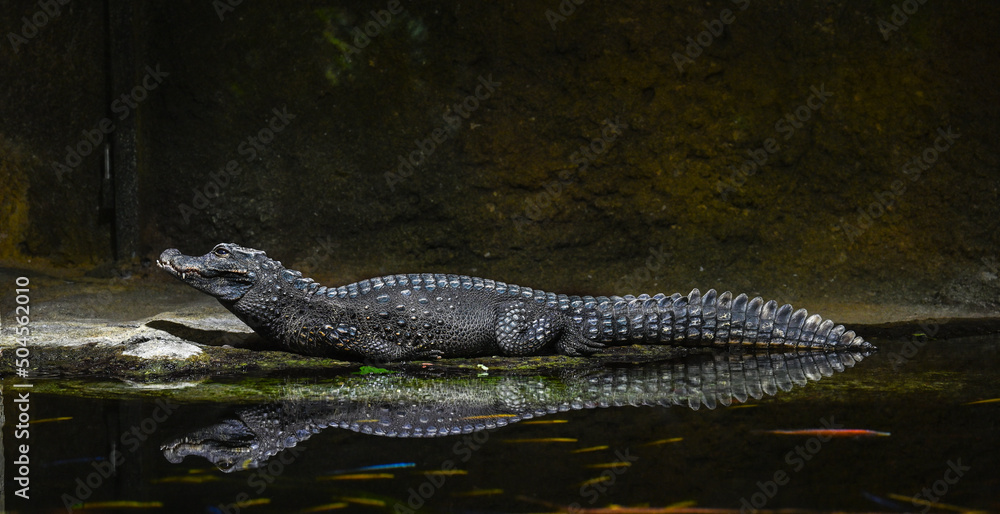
x,y
220,252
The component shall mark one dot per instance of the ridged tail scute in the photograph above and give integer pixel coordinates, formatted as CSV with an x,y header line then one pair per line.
x,y
708,320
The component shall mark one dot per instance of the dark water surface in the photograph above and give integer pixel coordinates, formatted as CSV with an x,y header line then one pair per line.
x,y
117,449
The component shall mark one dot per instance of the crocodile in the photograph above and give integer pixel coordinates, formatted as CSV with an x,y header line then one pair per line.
x,y
432,315
418,404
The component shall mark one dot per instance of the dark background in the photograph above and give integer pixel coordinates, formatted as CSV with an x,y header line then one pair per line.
x,y
507,193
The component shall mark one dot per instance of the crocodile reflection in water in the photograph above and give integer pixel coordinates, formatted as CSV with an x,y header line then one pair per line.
x,y
403,405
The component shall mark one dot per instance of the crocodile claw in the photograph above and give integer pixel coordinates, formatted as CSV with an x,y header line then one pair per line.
x,y
577,346
425,353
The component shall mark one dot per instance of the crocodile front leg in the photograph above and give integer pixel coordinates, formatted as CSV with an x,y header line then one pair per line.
x,y
345,340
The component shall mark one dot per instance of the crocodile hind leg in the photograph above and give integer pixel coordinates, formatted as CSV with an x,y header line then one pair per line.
x,y
522,330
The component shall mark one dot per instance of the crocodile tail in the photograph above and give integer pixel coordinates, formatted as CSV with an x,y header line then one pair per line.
x,y
709,320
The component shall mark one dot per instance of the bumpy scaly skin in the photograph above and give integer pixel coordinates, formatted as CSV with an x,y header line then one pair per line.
x,y
415,316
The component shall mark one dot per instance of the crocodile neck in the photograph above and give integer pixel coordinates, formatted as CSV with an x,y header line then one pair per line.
x,y
269,307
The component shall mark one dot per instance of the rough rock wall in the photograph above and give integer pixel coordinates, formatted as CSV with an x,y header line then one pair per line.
x,y
783,148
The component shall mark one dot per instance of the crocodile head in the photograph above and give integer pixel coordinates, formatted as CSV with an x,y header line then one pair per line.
x,y
227,272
